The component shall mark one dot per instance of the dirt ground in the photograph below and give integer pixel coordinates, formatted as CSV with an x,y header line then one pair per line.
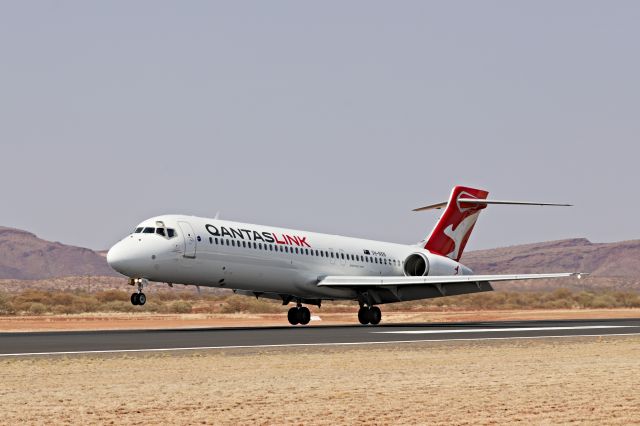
x,y
549,381
107,321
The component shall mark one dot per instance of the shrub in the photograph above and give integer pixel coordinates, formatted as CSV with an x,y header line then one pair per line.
x,y
5,305
112,295
37,308
117,306
180,307
234,304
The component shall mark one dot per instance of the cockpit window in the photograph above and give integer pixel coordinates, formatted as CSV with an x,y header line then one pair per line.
x,y
148,230
138,230
171,233
160,231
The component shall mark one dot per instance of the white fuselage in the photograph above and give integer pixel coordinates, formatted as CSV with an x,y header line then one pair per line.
x,y
261,259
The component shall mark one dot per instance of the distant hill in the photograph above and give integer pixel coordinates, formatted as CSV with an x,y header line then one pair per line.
x,y
620,259
611,265
24,256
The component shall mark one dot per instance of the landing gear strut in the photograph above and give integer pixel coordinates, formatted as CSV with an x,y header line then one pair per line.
x,y
139,297
369,315
299,315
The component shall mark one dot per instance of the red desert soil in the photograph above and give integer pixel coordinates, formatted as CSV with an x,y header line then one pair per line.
x,y
119,321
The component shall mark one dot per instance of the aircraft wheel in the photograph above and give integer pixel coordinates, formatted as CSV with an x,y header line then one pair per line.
x,y
142,299
375,315
363,315
292,316
135,300
304,315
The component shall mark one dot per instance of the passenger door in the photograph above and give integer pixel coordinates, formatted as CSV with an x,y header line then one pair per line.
x,y
189,239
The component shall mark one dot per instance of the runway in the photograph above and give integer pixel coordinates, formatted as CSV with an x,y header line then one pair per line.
x,y
123,341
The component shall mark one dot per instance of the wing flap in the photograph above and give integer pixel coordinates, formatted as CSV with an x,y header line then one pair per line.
x,y
374,281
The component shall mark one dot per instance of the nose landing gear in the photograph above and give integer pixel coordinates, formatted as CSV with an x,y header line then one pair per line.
x,y
139,297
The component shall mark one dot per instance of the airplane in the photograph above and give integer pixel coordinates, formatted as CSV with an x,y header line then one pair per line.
x,y
307,268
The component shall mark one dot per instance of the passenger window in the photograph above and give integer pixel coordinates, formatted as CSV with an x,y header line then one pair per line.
x,y
227,241
296,249
260,246
286,249
210,240
255,245
332,255
270,247
148,230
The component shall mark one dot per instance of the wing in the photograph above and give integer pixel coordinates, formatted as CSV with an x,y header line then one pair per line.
x,y
373,281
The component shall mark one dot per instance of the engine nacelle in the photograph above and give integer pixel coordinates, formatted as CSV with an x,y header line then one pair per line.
x,y
416,265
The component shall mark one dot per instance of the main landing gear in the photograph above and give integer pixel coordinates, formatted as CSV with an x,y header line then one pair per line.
x,y
138,298
299,315
369,315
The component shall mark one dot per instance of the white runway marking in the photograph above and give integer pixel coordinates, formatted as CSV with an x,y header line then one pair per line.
x,y
293,345
491,330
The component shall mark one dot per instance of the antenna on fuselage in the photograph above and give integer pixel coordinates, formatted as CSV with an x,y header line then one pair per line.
x,y
217,216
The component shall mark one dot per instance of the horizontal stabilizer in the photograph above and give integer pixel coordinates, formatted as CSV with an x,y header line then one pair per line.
x,y
480,202
373,281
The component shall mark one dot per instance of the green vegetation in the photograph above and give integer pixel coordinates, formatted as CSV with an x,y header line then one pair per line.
x,y
37,302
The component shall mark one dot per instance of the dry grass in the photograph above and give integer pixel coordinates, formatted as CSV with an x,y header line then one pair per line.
x,y
40,302
585,380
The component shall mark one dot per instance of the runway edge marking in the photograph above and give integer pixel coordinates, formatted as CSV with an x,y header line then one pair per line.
x,y
493,330
292,345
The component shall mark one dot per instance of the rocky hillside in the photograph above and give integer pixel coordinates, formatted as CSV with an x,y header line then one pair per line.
x,y
24,256
620,259
611,265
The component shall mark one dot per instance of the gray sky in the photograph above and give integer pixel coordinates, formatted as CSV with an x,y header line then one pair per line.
x,y
335,117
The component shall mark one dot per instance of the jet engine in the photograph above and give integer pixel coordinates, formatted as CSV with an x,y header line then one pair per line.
x,y
416,265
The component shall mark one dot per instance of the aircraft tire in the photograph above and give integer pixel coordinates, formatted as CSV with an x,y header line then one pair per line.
x,y
135,300
363,316
375,315
142,299
304,315
293,316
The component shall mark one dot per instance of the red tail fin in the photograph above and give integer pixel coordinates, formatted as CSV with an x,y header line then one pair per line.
x,y
451,233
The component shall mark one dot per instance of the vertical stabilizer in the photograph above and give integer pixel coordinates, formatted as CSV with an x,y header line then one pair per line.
x,y
450,235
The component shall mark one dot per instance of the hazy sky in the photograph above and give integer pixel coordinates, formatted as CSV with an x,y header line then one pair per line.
x,y
335,117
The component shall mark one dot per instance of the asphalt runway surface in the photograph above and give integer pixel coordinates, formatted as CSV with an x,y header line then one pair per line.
x,y
123,341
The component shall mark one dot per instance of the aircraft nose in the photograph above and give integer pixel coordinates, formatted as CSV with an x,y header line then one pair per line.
x,y
117,258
